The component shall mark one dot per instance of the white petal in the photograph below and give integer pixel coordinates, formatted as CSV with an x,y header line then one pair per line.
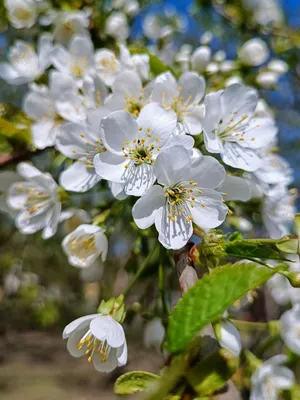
x,y
61,58
117,190
180,140
165,87
118,128
17,194
259,133
239,157
101,244
27,170
52,222
212,111
161,122
128,83
230,338
44,134
73,340
207,172
110,166
79,178
193,87
209,211
104,327
72,108
138,179
9,74
172,234
171,165
70,142
235,188
79,323
28,224
122,355
146,208
237,101
109,365
193,120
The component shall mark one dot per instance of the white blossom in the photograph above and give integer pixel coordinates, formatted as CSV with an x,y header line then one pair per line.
x,y
290,328
84,245
267,79
184,195
25,65
107,65
254,52
37,200
201,58
21,13
69,24
278,66
133,146
99,337
231,130
76,61
81,142
183,97
116,26
40,104
270,378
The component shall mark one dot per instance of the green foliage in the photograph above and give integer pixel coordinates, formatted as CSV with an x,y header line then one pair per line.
x,y
254,248
212,373
132,382
210,297
5,146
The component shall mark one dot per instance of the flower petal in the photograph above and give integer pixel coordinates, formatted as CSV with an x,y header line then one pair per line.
x,y
128,83
161,122
79,323
193,87
207,172
118,128
235,188
239,157
79,178
138,179
209,210
110,166
146,208
164,89
104,327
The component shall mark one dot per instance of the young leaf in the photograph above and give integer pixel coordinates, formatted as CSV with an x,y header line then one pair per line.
x,y
157,67
210,297
253,249
132,382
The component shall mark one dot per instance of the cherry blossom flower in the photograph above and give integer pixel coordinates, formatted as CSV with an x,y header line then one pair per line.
x,y
37,200
25,65
100,338
84,245
270,378
40,104
133,146
183,97
81,142
21,13
184,195
77,61
230,130
107,65
254,52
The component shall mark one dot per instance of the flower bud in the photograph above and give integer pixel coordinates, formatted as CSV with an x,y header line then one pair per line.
x,y
280,67
200,58
254,52
267,79
228,336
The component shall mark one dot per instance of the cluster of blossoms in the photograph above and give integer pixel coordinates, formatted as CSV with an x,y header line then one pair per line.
x,y
182,151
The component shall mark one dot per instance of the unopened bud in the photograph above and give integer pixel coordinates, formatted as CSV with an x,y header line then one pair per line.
x,y
188,278
293,277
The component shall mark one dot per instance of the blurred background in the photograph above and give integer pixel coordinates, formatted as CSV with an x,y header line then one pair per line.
x,y
39,291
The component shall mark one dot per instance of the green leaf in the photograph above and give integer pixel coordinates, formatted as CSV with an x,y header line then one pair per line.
x,y
213,372
288,245
253,249
132,382
5,146
157,67
210,297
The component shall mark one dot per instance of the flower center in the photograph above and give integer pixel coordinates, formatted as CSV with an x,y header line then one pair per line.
x,y
93,347
91,150
140,151
82,246
180,198
109,64
134,105
22,14
233,133
35,197
178,104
